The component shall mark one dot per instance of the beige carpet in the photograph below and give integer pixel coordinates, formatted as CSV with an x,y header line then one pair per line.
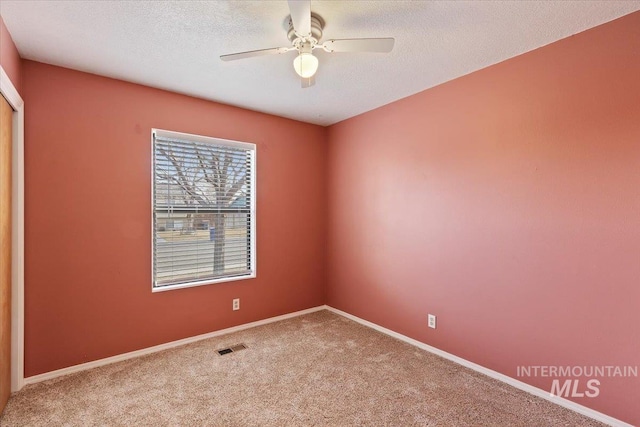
x,y
318,369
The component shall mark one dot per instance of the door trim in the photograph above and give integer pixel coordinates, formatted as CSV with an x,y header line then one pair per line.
x,y
8,90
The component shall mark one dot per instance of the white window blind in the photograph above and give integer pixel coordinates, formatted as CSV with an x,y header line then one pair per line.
x,y
203,210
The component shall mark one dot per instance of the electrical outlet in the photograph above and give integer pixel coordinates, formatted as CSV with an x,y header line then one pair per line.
x,y
432,321
236,304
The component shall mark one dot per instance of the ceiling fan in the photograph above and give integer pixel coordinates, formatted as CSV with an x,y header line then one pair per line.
x,y
305,32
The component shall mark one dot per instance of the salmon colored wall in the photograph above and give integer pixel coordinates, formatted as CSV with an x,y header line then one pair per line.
x,y
506,202
9,57
88,218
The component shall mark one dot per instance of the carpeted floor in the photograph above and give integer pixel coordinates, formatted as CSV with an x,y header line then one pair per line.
x,y
313,370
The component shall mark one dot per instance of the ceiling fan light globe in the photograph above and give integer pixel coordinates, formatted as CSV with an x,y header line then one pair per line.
x,y
305,65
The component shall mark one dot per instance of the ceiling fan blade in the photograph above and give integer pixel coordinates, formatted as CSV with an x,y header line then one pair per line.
x,y
383,45
308,82
252,53
301,16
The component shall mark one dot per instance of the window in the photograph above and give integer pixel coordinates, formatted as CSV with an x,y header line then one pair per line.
x,y
203,210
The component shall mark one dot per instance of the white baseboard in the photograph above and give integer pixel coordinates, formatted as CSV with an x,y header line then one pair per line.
x,y
156,348
576,407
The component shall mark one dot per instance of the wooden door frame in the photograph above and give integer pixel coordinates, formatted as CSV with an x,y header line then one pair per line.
x,y
8,90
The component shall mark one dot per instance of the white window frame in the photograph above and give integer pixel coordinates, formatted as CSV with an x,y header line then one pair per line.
x,y
210,140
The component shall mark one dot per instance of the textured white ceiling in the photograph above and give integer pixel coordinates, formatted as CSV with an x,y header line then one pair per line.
x,y
176,45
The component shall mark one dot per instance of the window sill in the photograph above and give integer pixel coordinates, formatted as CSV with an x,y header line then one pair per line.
x,y
201,283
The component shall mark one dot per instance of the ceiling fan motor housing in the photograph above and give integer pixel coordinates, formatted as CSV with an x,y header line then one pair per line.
x,y
317,25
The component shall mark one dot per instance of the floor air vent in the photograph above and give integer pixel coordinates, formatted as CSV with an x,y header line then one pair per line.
x,y
231,349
